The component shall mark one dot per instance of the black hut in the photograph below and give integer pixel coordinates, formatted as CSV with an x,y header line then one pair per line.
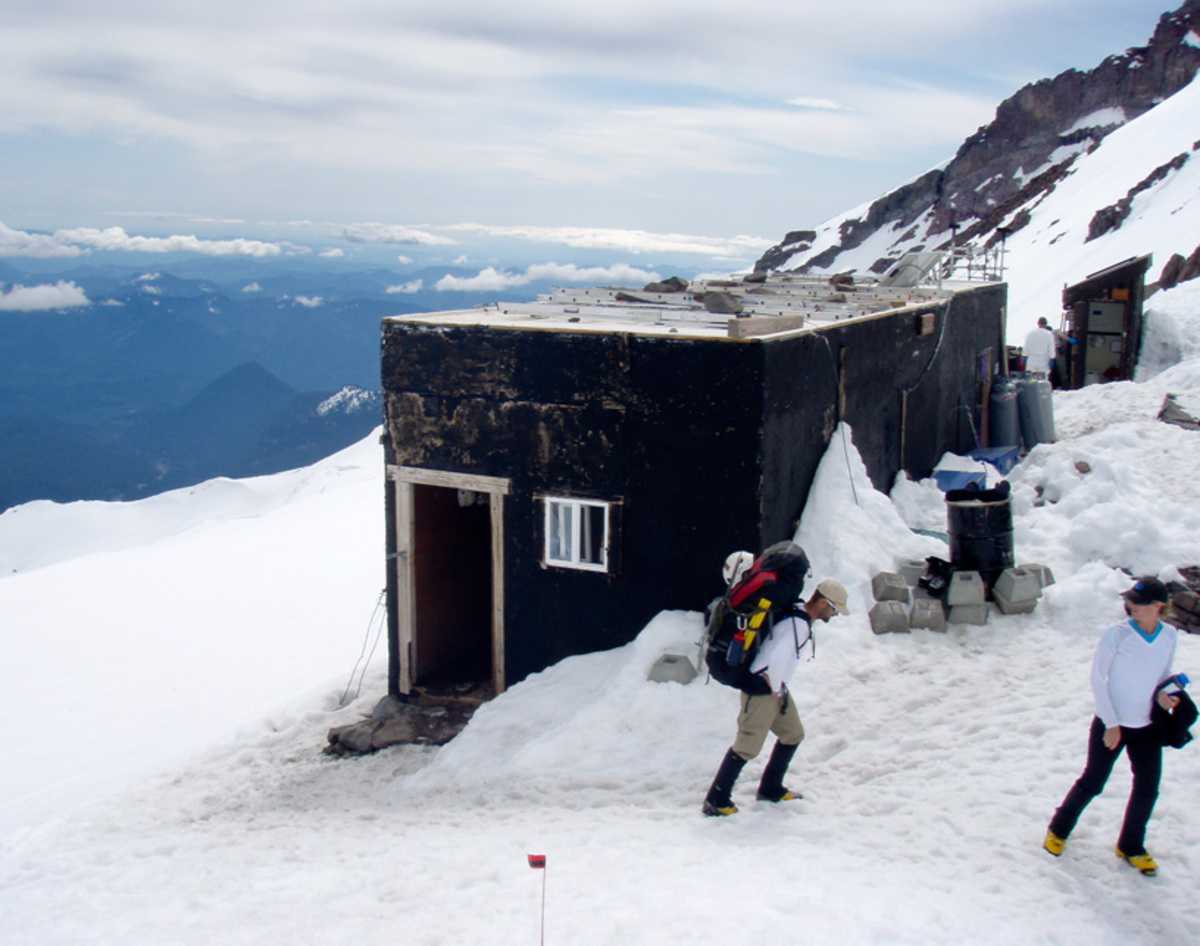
x,y
560,471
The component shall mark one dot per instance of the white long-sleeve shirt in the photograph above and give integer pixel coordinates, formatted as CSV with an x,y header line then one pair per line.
x,y
1039,349
779,655
1127,670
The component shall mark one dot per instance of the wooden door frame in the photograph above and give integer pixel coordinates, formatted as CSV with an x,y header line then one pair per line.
x,y
404,478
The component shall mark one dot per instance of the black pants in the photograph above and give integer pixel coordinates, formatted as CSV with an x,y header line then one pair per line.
x,y
1145,758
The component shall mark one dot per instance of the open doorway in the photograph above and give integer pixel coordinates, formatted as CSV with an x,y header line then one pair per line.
x,y
449,583
452,588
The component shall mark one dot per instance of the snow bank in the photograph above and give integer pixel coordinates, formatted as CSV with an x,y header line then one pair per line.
x,y
843,508
1171,333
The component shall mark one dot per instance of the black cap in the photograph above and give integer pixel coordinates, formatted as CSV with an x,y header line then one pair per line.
x,y
1147,591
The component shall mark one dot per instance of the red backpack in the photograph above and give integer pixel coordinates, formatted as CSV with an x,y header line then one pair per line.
x,y
743,618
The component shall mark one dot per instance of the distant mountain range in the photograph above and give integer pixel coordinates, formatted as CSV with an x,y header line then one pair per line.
x,y
1075,172
190,369
246,422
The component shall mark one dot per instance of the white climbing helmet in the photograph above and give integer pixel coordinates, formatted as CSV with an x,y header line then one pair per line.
x,y
736,565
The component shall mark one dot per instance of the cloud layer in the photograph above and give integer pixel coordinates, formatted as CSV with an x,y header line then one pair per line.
x,y
77,241
628,112
491,279
59,295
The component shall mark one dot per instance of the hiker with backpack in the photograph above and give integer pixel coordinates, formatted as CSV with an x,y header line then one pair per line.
x,y
755,638
1131,672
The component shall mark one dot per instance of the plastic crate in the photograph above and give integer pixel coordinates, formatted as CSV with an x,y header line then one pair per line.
x,y
1002,458
948,480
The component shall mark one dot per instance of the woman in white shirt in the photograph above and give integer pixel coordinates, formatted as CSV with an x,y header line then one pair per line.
x,y
1132,661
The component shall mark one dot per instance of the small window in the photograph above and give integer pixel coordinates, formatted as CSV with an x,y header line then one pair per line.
x,y
577,534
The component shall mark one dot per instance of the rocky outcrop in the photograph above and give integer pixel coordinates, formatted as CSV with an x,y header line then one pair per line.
x,y
992,168
1110,218
1179,269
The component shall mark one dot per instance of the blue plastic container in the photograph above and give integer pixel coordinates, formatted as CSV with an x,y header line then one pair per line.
x,y
948,480
1002,458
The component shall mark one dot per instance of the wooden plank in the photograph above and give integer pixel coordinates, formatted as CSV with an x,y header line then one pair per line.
x,y
471,481
764,325
406,603
498,677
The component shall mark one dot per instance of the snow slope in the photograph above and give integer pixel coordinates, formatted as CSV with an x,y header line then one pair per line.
x,y
212,606
931,766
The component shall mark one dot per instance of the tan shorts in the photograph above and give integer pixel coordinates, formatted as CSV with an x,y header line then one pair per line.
x,y
760,715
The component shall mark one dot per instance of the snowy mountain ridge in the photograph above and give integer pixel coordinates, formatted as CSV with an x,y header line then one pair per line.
x,y
1007,180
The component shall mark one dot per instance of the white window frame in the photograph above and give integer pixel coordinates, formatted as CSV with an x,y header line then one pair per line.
x,y
553,506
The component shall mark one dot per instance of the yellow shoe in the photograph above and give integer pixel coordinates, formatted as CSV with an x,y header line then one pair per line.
x,y
1143,862
718,811
1053,844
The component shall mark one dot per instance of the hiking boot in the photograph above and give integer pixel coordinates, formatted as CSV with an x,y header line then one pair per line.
x,y
718,801
785,795
1143,862
1053,844
771,787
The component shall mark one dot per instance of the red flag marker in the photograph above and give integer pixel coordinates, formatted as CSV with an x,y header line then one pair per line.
x,y
538,862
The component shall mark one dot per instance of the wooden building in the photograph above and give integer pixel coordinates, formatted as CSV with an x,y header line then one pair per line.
x,y
560,471
1103,322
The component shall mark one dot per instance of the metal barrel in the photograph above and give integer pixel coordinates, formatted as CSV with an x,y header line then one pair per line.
x,y
1004,429
981,536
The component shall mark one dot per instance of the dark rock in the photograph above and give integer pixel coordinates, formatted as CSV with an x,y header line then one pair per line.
x,y
800,236
1191,269
671,284
720,303
1172,413
1171,272
390,707
1083,467
630,297
1110,218
755,278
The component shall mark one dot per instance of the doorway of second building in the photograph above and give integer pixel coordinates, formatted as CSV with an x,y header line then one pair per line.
x,y
452,590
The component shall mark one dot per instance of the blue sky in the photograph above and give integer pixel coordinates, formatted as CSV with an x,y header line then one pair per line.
x,y
715,119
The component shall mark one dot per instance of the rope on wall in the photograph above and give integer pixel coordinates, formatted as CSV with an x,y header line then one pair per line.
x,y
837,387
365,655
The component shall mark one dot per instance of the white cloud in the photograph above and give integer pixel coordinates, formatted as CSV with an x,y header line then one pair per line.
x,y
625,241
332,253
823,105
310,302
491,279
404,260
151,290
116,239
113,303
405,288
252,287
148,277
393,233
34,245
59,295
460,260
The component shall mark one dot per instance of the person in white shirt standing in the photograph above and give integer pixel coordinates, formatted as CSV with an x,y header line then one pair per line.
x,y
1039,350
771,708
1133,660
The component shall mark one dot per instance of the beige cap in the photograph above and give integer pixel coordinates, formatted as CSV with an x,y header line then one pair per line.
x,y
835,593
